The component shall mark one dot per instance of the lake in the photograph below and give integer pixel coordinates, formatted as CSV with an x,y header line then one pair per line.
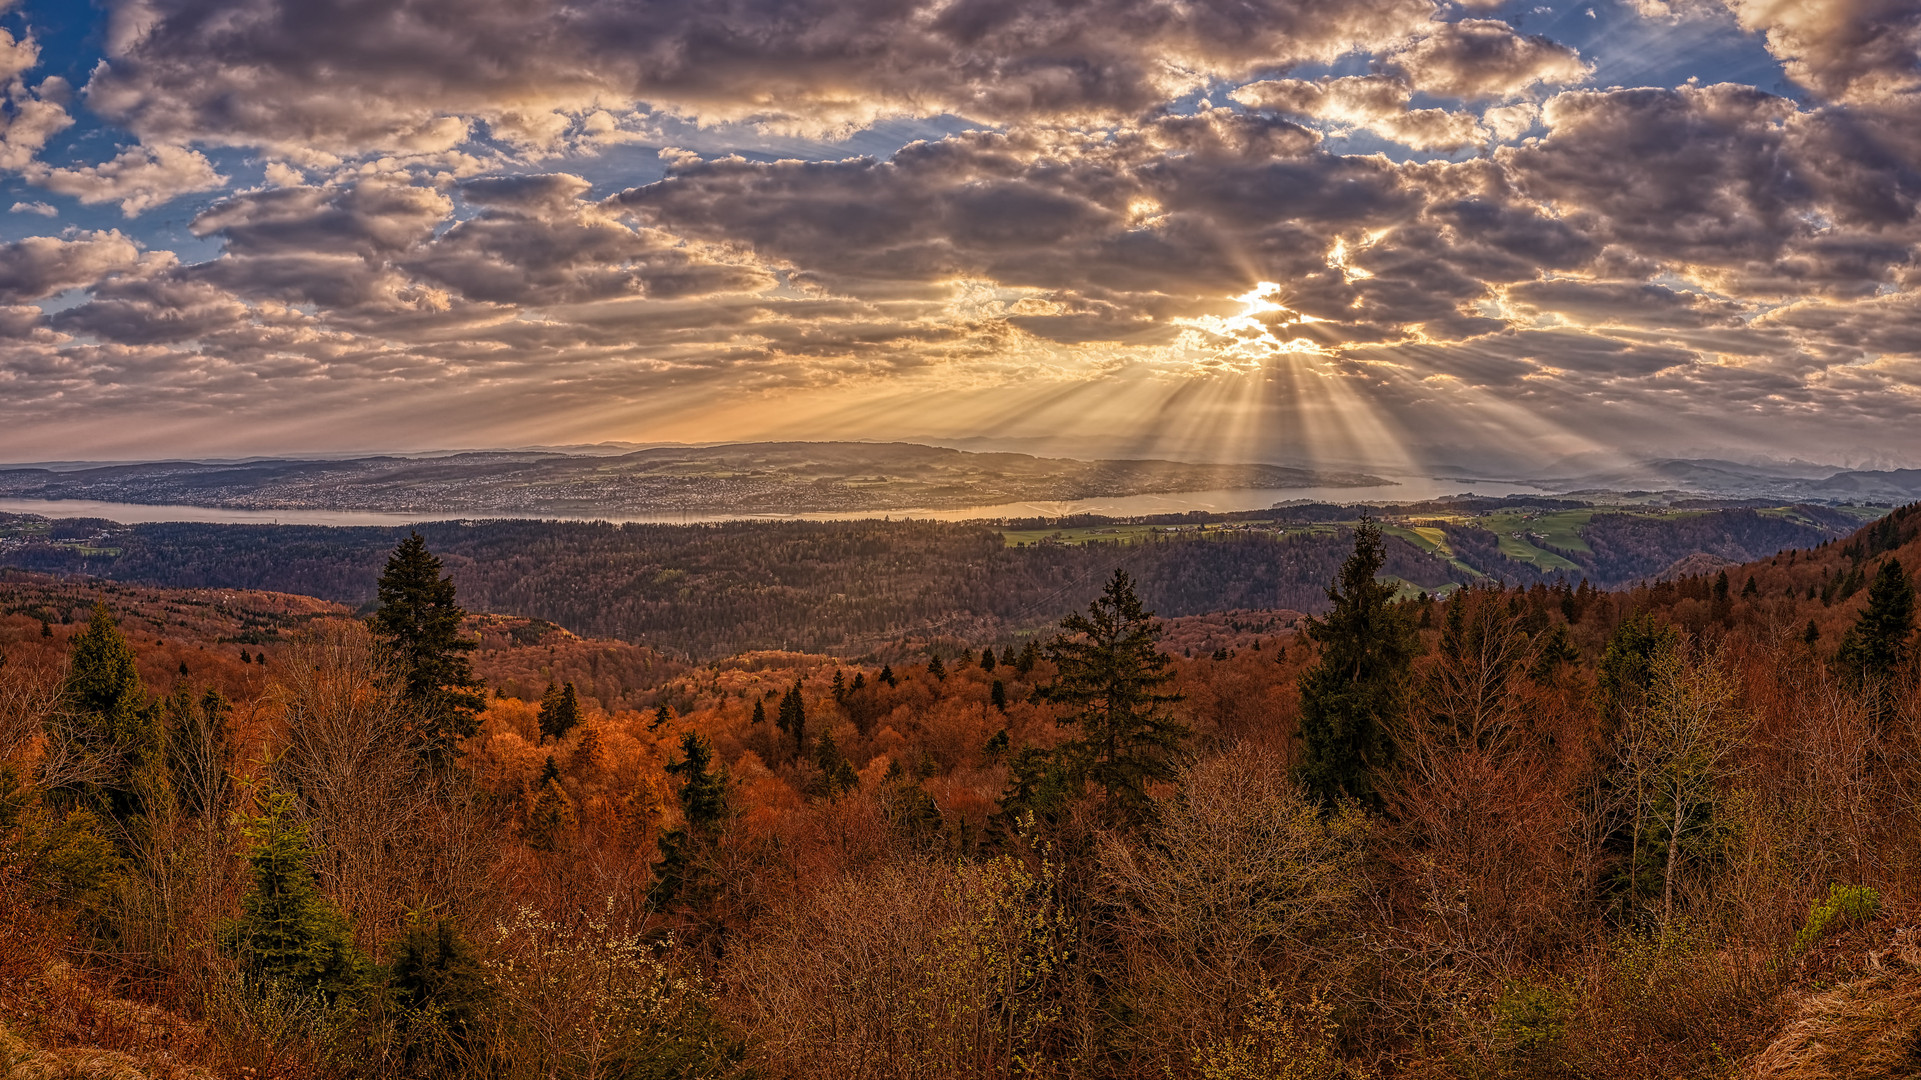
x,y
1221,501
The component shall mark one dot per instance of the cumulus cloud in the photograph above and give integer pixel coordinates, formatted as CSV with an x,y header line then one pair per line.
x,y
139,178
31,115
42,266
1378,103
1477,59
337,76
1860,51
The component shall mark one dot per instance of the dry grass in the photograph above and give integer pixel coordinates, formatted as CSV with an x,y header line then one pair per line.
x,y
1869,1029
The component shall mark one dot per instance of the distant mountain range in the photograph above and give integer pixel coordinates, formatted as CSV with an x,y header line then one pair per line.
x,y
1797,481
742,478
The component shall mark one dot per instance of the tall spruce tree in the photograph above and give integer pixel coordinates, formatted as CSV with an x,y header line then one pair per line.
x,y
1111,675
1877,644
559,711
113,728
792,718
703,808
418,623
1352,696
288,933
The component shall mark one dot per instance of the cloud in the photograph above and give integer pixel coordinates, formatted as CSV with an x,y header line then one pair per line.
x,y
42,266
40,208
139,178
32,114
1479,59
343,78
1378,103
1857,51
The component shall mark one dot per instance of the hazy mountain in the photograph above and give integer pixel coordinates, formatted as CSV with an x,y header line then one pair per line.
x,y
769,478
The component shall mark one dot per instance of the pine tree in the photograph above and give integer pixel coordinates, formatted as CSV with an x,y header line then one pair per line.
x,y
997,695
793,718
287,932
418,623
1877,644
113,726
703,809
441,987
1030,655
987,659
860,682
1111,675
840,688
1353,695
662,715
760,712
1627,666
887,675
1007,655
559,711
551,817
837,775
936,669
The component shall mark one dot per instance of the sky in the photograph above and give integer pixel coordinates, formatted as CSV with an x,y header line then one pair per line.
x,y
1393,233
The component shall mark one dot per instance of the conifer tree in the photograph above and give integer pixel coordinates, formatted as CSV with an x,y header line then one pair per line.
x,y
840,688
1627,666
1030,655
703,809
559,711
287,932
551,817
987,659
418,624
793,718
1007,655
837,775
1877,644
441,986
1352,696
114,727
1111,675
760,712
860,682
936,668
997,695
887,675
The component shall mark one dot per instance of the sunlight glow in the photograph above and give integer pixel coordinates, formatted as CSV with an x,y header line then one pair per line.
x,y
1249,336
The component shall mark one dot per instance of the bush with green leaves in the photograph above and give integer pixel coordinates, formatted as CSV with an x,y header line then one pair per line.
x,y
1844,904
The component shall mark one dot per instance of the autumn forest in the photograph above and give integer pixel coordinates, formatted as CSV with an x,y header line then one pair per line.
x,y
1449,828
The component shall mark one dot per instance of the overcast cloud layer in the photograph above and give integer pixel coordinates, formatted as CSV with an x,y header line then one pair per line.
x,y
1377,231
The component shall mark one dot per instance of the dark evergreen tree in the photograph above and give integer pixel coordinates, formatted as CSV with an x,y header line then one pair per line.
x,y
936,668
559,711
987,659
1007,655
860,681
287,932
1030,655
1877,644
997,695
1111,675
1356,691
440,987
662,715
837,775
840,688
1627,665
418,624
760,712
115,728
1811,635
703,810
792,719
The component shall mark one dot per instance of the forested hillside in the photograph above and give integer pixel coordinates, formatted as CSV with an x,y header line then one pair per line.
x,y
1666,833
855,587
